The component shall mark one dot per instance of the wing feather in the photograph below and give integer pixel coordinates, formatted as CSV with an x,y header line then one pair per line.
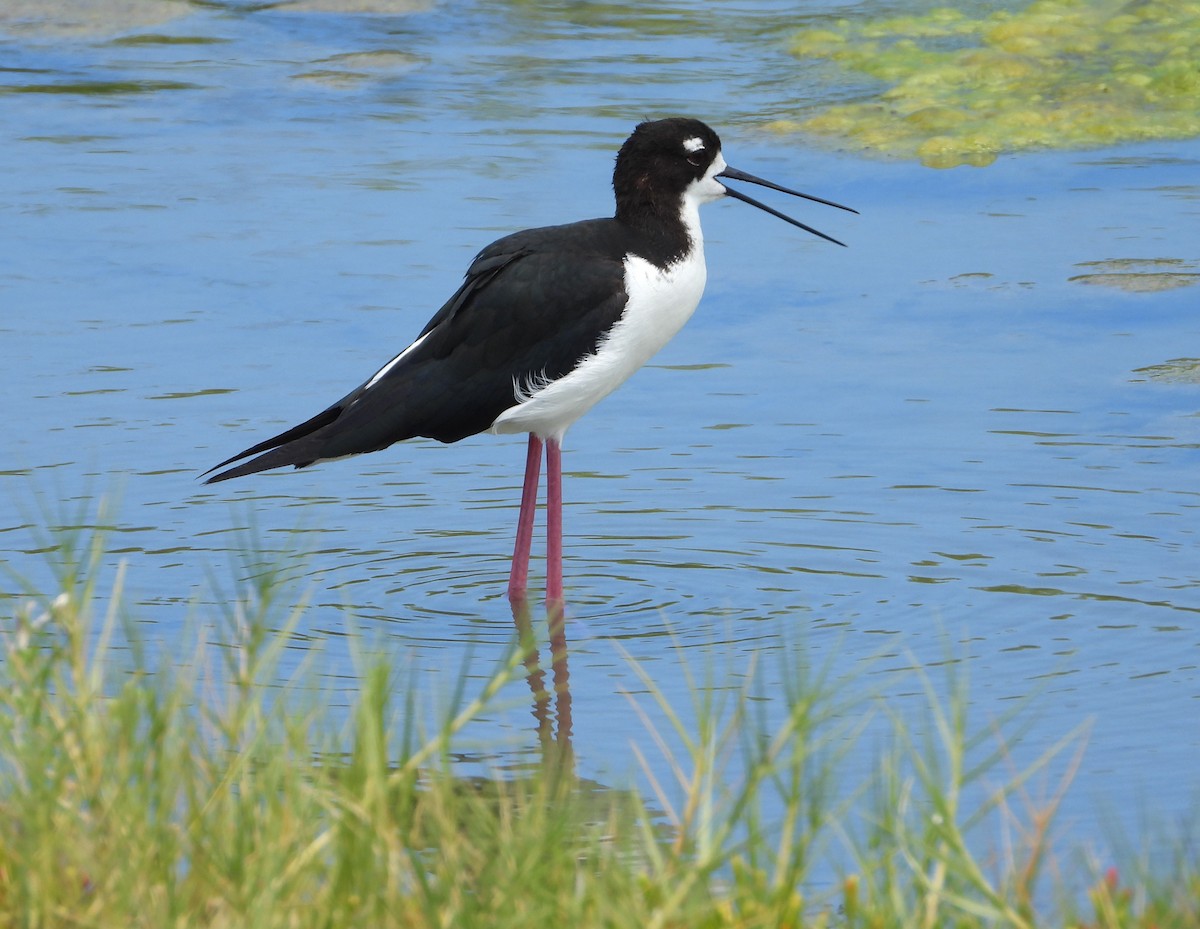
x,y
532,305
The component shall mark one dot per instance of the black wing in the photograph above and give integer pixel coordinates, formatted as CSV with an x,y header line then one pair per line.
x,y
532,305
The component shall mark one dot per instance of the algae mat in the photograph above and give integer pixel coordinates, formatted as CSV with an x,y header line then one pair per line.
x,y
966,87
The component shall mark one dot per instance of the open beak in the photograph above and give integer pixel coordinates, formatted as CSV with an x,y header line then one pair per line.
x,y
734,174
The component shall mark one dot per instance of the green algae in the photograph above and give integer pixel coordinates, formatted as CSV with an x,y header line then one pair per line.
x,y
155,38
83,18
355,68
1139,283
965,87
1138,275
100,88
382,7
1175,371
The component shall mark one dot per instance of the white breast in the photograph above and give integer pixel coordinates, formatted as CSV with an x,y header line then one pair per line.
x,y
660,302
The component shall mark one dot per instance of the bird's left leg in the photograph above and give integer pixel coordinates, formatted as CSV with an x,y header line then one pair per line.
x,y
554,567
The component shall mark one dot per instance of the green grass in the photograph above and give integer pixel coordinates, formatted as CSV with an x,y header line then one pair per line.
x,y
139,789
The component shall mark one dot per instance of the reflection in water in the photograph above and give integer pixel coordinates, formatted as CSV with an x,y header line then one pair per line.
x,y
553,729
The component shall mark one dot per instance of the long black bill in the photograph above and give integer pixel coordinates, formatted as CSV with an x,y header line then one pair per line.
x,y
734,174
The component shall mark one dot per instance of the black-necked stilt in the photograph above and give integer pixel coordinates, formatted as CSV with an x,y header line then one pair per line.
x,y
547,323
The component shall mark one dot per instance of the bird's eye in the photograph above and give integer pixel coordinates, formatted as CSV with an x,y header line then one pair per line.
x,y
696,158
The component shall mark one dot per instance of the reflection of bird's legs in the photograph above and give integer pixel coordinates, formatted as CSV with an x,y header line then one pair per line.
x,y
556,746
533,665
562,678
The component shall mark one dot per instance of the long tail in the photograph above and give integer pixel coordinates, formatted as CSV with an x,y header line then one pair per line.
x,y
287,448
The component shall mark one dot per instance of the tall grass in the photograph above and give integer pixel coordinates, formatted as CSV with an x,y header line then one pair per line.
x,y
138,789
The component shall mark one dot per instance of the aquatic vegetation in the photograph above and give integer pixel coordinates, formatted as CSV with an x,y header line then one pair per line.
x,y
1174,371
383,7
354,68
966,87
38,18
1138,275
212,789
100,88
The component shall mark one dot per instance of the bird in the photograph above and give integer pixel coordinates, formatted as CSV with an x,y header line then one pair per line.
x,y
547,322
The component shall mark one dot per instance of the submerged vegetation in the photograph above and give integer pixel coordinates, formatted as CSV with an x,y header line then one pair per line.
x,y
204,790
965,87
1139,275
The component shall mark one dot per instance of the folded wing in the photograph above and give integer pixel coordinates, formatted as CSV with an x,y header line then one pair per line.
x,y
527,311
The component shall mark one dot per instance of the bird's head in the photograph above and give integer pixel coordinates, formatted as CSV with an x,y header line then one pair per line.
x,y
668,161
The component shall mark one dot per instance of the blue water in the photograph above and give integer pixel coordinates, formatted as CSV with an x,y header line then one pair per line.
x,y
931,441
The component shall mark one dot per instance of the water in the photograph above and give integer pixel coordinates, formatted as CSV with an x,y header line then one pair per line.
x,y
934,440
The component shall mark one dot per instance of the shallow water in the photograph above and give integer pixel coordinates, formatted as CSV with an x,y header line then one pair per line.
x,y
938,439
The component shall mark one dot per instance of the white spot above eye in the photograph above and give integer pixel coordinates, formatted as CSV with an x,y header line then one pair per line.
x,y
693,145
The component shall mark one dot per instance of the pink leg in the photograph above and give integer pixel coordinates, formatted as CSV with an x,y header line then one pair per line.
x,y
554,573
519,577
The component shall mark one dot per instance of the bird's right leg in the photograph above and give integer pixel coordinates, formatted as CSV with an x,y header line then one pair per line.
x,y
554,569
518,579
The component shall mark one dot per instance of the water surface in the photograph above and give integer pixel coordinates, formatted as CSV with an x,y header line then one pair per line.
x,y
940,439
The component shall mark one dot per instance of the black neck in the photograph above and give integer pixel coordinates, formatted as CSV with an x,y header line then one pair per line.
x,y
662,237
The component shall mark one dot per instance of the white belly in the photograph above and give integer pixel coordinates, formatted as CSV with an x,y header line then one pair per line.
x,y
660,302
